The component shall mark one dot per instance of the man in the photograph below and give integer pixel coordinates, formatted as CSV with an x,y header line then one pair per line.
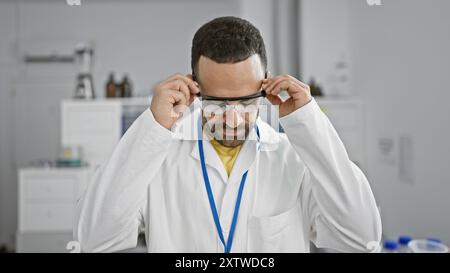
x,y
242,187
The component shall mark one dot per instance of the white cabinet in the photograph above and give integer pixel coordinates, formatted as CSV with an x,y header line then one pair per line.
x,y
98,125
46,202
47,196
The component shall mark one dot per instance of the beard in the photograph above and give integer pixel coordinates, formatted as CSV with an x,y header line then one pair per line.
x,y
227,136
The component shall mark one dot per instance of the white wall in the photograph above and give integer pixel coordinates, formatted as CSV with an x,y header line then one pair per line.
x,y
260,13
325,37
403,68
400,59
279,25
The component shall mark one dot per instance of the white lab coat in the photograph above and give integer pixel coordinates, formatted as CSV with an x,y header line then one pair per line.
x,y
301,187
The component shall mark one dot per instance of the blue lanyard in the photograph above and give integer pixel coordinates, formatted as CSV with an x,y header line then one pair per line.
x,y
212,204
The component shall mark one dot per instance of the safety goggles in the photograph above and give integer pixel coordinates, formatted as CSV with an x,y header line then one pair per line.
x,y
219,105
243,104
244,100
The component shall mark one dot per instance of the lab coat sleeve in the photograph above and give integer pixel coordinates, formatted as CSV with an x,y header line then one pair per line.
x,y
335,194
109,214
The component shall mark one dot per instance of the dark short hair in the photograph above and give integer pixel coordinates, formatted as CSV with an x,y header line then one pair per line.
x,y
227,40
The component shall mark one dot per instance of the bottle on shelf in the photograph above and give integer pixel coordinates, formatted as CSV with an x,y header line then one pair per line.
x,y
111,86
126,87
316,90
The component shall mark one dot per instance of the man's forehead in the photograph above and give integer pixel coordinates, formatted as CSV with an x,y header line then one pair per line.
x,y
246,70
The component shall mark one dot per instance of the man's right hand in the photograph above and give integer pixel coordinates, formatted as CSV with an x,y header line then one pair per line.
x,y
170,96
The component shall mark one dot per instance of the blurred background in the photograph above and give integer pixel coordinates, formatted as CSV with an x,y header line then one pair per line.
x,y
75,74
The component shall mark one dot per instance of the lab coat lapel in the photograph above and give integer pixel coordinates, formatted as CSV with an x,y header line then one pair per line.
x,y
211,158
245,158
268,141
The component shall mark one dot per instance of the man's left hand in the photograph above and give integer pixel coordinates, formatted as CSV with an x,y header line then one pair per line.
x,y
299,93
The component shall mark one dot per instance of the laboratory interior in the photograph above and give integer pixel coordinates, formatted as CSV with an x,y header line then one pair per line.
x,y
75,74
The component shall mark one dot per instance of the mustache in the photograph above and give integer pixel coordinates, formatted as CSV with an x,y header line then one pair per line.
x,y
226,128
221,131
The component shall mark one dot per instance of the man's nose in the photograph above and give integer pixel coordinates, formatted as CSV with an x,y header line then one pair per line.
x,y
232,117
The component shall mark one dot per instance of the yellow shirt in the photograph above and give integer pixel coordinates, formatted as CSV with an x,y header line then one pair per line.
x,y
226,154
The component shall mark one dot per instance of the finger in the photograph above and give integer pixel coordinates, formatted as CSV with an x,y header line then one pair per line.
x,y
186,92
275,100
191,77
176,97
276,84
290,86
271,82
178,100
274,81
266,83
193,86
179,85
176,76
302,84
277,79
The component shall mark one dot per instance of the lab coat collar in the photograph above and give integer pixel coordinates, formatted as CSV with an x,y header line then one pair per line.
x,y
269,138
243,162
